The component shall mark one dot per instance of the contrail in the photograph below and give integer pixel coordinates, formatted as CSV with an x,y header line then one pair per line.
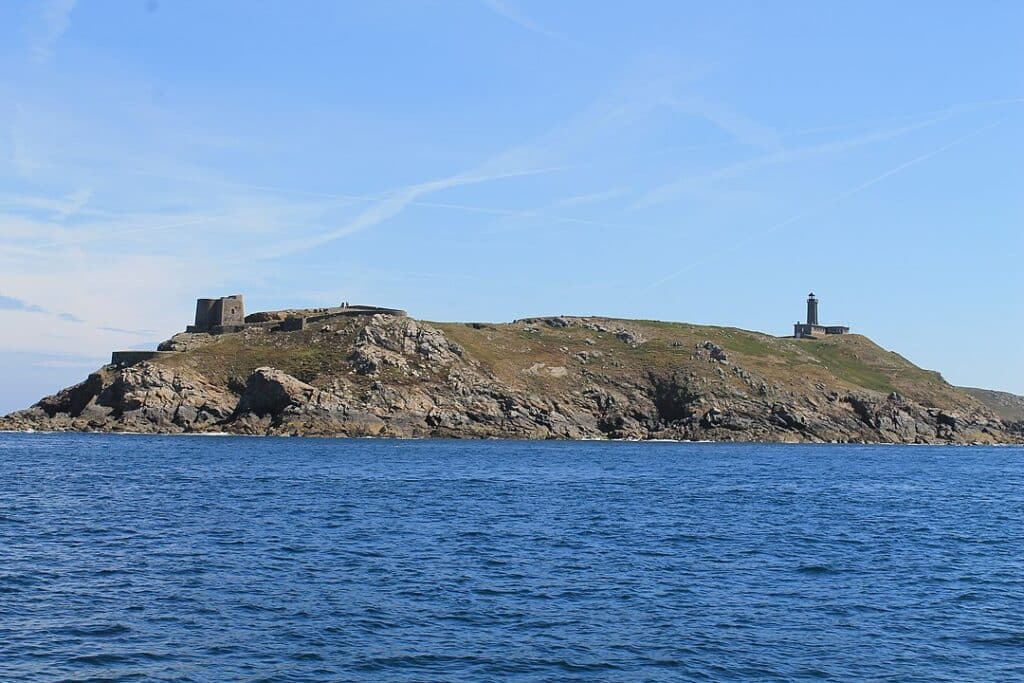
x,y
35,250
825,204
385,198
931,114
128,231
390,200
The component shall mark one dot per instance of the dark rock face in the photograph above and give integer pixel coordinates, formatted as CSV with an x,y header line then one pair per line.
x,y
270,392
73,400
674,399
395,376
788,417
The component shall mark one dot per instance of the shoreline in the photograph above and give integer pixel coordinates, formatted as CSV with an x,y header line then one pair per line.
x,y
506,440
560,378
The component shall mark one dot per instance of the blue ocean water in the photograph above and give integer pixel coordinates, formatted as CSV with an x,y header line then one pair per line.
x,y
223,559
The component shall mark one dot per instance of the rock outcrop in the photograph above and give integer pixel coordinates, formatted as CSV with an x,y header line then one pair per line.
x,y
540,378
143,398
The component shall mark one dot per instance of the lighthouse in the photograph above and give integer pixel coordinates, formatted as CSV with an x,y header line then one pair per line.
x,y
812,328
812,309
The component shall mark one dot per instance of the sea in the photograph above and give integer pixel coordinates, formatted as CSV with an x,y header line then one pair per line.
x,y
187,558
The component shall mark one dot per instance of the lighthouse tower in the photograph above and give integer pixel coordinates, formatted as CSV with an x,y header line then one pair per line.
x,y
812,309
812,328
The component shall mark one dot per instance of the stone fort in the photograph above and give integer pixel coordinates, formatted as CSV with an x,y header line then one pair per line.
x,y
216,316
227,314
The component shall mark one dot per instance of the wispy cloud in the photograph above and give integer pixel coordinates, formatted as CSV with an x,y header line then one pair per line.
x,y
120,330
110,298
678,188
624,107
54,21
742,128
90,362
72,204
513,14
9,303
591,197
821,206
391,205
262,214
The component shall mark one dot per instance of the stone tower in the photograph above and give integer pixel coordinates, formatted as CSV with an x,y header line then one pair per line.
x,y
226,314
812,309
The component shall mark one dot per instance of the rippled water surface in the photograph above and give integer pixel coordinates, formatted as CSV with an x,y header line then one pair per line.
x,y
221,559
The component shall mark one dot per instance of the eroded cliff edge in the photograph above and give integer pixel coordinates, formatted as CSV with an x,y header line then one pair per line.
x,y
558,377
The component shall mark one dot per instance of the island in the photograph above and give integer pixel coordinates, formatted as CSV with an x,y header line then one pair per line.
x,y
366,371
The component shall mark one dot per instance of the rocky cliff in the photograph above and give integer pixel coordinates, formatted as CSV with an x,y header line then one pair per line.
x,y
558,377
1007,407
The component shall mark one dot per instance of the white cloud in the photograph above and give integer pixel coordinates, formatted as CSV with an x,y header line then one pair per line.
x,y
105,300
54,21
124,235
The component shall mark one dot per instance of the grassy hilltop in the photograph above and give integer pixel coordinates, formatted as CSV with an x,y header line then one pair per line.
x,y
554,377
850,360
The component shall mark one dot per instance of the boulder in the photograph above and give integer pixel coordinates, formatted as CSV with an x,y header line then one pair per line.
x,y
269,391
713,351
631,337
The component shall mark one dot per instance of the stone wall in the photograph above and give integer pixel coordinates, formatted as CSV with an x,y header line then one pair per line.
x,y
204,313
229,311
294,323
316,315
803,330
126,358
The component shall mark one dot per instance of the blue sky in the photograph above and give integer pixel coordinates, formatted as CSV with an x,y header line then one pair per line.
x,y
492,159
